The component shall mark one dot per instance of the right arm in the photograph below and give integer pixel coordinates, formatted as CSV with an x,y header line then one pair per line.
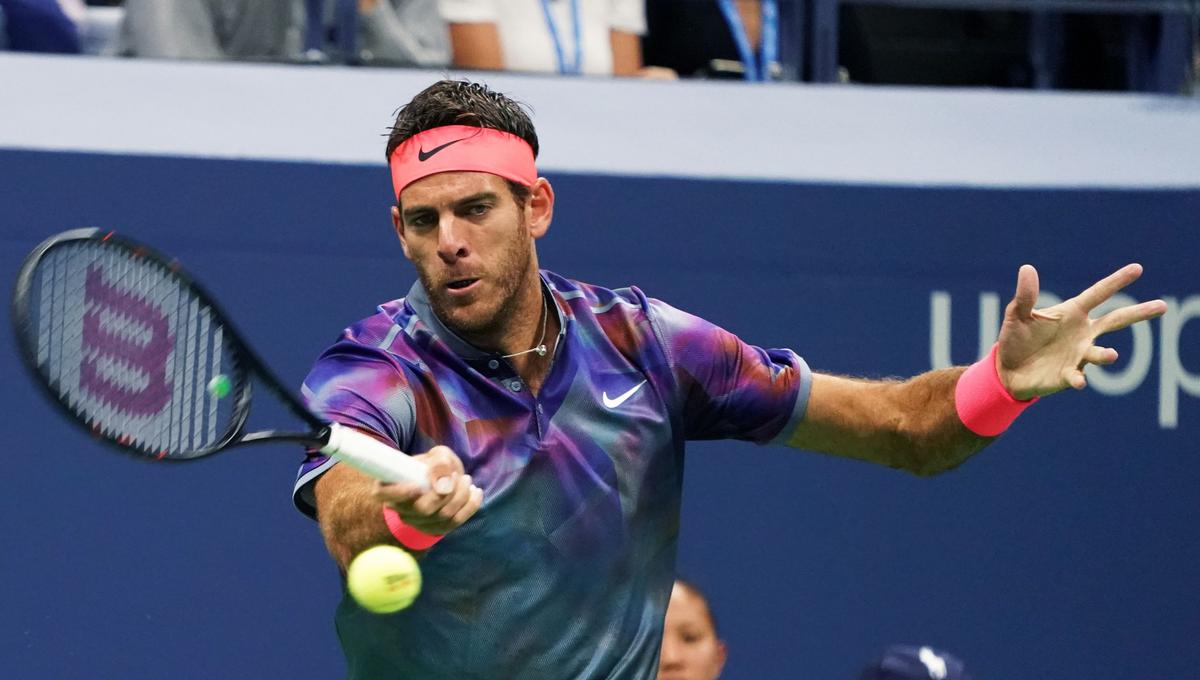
x,y
351,518
350,504
362,387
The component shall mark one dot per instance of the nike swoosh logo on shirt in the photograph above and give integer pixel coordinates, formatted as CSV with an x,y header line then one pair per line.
x,y
613,403
423,155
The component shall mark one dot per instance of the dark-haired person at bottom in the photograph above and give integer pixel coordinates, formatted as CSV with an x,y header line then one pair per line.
x,y
691,647
553,415
905,662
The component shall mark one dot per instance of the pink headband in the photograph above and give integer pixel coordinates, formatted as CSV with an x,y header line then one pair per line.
x,y
456,148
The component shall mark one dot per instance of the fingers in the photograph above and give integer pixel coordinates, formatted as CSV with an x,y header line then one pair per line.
x,y
440,514
449,501
474,500
442,507
657,73
1027,291
1127,316
1108,286
444,468
1101,356
1094,355
401,494
1076,379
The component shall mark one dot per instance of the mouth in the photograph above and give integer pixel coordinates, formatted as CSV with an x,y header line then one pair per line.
x,y
461,286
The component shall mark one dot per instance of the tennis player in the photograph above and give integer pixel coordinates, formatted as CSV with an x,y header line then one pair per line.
x,y
553,416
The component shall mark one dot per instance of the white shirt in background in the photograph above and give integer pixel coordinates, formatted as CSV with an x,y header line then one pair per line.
x,y
525,38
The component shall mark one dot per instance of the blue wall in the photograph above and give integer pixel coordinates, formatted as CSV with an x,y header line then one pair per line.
x,y
1066,550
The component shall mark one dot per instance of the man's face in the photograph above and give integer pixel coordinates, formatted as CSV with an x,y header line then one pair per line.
x,y
471,246
690,649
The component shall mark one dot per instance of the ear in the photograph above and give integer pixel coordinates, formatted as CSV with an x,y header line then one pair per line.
x,y
722,655
539,209
398,225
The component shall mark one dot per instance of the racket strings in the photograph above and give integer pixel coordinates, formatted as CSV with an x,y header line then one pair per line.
x,y
132,351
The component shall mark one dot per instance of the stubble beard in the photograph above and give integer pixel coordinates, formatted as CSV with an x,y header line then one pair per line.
x,y
487,325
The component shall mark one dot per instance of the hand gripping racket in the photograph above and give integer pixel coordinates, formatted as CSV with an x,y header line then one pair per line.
x,y
137,352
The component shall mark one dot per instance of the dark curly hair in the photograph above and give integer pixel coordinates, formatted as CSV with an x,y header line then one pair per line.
x,y
461,102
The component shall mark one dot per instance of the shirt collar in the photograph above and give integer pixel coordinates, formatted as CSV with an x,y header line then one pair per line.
x,y
419,300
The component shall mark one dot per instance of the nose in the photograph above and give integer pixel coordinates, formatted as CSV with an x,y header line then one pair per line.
x,y
669,658
451,244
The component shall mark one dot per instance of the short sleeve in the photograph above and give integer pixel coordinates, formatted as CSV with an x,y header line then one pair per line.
x,y
730,389
360,387
469,11
628,16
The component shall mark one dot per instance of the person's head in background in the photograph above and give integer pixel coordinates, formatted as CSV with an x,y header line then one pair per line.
x,y
905,662
691,647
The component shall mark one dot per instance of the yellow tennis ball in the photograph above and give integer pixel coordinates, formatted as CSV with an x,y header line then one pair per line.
x,y
384,579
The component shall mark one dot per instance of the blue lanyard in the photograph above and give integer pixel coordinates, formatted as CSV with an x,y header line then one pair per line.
x,y
576,66
767,62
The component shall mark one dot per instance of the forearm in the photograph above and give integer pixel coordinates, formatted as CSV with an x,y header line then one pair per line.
x,y
476,46
910,425
626,52
350,516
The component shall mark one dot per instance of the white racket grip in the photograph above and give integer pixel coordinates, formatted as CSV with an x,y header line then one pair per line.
x,y
373,457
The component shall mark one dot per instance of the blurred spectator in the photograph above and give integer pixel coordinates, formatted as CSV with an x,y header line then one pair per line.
x,y
1195,75
403,33
691,648
1127,46
719,38
212,29
594,37
100,29
41,25
902,662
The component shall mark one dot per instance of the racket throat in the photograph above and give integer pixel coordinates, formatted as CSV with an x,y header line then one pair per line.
x,y
314,440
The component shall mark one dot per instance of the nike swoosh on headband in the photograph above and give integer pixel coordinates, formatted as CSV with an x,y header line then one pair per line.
x,y
423,155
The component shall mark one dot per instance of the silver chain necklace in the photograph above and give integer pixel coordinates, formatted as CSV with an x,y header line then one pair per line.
x,y
540,347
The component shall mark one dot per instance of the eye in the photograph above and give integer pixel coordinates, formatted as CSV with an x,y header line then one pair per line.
x,y
421,221
478,209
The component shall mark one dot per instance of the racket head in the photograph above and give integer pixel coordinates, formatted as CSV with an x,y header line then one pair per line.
x,y
130,347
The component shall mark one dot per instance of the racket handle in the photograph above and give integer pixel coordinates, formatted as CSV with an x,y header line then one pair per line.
x,y
373,457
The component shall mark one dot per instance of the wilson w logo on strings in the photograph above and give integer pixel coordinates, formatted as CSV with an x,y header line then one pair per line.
x,y
126,344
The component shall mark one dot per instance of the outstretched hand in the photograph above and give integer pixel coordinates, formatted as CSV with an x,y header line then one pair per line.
x,y
1043,351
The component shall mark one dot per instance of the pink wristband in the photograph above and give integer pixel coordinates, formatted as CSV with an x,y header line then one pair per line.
x,y
982,402
409,537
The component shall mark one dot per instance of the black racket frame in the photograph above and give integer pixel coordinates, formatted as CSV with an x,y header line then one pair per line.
x,y
246,363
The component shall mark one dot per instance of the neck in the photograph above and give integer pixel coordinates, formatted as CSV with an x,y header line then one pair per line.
x,y
539,346
529,322
530,343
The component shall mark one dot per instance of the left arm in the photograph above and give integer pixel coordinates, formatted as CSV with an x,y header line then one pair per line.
x,y
910,425
915,424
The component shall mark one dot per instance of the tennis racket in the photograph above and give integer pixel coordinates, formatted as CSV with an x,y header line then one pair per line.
x,y
137,352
